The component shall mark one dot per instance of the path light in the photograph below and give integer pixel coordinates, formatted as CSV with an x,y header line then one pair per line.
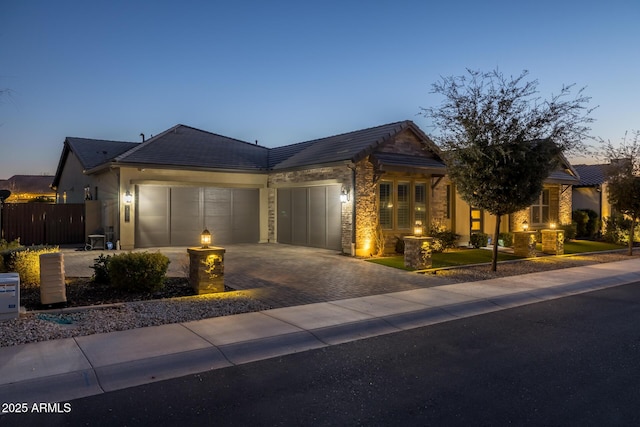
x,y
417,229
525,225
205,239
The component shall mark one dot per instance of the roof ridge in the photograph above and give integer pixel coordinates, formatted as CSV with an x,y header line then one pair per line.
x,y
345,133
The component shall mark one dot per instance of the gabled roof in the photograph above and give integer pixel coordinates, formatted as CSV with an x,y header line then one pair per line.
x,y
186,147
591,175
351,146
90,153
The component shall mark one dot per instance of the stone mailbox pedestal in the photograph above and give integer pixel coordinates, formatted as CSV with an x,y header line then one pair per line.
x,y
553,242
206,269
524,244
417,252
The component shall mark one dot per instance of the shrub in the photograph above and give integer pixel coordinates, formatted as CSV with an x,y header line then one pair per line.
x,y
4,245
617,229
26,262
507,239
479,240
101,269
443,240
138,271
570,231
580,218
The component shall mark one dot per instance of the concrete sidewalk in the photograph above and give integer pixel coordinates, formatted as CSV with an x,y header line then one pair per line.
x,y
61,370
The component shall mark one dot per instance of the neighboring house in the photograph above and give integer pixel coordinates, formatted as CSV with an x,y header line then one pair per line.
x,y
29,188
339,192
591,191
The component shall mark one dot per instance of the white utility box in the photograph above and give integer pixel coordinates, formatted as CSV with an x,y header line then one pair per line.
x,y
52,284
9,295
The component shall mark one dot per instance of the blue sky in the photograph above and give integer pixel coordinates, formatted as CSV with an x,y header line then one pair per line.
x,y
288,71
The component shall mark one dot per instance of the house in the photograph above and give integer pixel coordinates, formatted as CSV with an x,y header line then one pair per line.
x,y
28,188
591,191
350,192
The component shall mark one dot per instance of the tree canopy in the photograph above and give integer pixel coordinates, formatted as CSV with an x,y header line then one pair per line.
x,y
623,179
501,140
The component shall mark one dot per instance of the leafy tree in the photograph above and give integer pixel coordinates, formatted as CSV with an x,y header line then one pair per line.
x,y
500,140
623,178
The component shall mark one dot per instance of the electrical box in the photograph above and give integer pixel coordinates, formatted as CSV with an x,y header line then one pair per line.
x,y
53,289
9,295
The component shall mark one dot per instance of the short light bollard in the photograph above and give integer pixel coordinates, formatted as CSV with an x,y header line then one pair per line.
x,y
417,252
206,269
524,244
553,242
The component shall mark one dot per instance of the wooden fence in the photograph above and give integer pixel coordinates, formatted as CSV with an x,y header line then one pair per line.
x,y
43,223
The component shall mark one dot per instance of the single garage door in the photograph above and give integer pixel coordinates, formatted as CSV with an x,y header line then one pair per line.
x,y
175,216
310,216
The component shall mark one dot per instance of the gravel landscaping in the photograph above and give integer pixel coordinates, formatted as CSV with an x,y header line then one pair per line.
x,y
111,311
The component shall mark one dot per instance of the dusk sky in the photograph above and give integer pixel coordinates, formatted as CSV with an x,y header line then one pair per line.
x,y
282,72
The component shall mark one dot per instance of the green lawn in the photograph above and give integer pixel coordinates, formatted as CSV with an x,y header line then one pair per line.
x,y
582,246
448,259
479,256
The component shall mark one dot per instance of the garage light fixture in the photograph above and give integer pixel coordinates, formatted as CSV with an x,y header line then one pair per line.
x,y
205,239
128,198
344,196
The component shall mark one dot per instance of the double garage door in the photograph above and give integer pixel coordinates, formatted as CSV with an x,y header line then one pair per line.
x,y
175,216
310,216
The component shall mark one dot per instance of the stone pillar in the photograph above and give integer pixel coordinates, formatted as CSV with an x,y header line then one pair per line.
x,y
553,242
524,244
417,252
206,269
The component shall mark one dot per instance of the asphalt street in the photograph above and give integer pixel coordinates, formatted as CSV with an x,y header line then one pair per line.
x,y
569,361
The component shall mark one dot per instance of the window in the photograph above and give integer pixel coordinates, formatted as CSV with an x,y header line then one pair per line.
x,y
401,204
385,209
476,220
540,209
420,204
404,214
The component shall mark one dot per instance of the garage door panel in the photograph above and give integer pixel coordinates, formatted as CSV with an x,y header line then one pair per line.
x,y
152,215
245,219
310,216
299,219
186,221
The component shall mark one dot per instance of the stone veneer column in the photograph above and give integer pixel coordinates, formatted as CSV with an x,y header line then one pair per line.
x,y
206,269
524,243
553,242
417,252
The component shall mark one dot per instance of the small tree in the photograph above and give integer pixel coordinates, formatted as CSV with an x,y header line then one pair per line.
x,y
500,140
623,178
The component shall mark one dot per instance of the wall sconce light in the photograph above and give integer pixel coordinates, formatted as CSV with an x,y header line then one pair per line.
x,y
553,225
344,196
205,239
417,229
128,198
525,225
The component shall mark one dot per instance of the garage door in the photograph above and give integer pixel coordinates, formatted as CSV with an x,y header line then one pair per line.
x,y
310,216
175,216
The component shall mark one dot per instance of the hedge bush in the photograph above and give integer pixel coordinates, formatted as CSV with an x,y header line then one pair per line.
x,y
570,231
507,239
138,271
443,240
479,240
26,262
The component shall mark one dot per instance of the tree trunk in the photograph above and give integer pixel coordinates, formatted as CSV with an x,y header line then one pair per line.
x,y
631,234
494,259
